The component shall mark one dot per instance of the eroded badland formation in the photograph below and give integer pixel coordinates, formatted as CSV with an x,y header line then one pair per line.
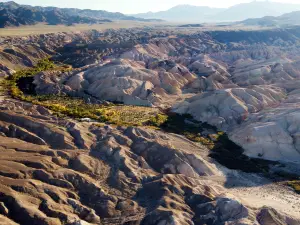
x,y
60,169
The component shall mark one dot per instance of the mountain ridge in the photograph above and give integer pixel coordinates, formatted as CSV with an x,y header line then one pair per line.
x,y
190,10
288,19
243,11
13,14
256,9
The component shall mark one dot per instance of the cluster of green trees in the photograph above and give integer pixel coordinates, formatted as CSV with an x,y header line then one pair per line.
x,y
11,81
295,185
42,65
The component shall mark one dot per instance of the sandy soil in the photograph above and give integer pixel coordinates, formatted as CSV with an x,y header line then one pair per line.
x,y
273,195
44,28
256,192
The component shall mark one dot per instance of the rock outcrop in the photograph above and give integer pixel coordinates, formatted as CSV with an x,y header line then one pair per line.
x,y
123,81
225,108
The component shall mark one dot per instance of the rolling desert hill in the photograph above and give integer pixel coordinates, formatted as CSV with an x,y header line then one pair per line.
x,y
288,19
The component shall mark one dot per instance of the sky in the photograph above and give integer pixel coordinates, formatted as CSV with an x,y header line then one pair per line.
x,y
136,6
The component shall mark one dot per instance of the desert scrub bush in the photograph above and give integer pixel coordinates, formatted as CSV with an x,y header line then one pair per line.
x,y
197,137
158,120
123,115
68,106
42,65
295,185
77,108
2,85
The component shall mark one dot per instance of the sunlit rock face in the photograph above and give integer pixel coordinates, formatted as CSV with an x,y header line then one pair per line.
x,y
274,133
261,114
254,97
229,107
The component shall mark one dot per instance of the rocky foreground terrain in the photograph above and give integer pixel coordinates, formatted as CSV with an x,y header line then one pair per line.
x,y
58,170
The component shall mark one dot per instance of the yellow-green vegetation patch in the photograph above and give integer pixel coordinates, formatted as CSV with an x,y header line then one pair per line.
x,y
295,185
158,120
2,86
121,115
197,137
128,115
77,107
42,65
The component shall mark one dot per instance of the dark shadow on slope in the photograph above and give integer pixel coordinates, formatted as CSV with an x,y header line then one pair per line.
x,y
230,155
223,150
226,152
26,85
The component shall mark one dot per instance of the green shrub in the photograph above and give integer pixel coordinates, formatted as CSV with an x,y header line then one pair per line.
x,y
295,185
158,120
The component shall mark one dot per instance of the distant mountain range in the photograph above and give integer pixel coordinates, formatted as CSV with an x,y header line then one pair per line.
x,y
183,13
13,14
269,14
288,19
255,9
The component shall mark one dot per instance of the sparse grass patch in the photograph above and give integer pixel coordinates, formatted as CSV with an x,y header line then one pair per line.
x,y
124,115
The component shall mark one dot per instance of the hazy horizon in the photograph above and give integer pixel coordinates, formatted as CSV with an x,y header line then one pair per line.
x,y
132,7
